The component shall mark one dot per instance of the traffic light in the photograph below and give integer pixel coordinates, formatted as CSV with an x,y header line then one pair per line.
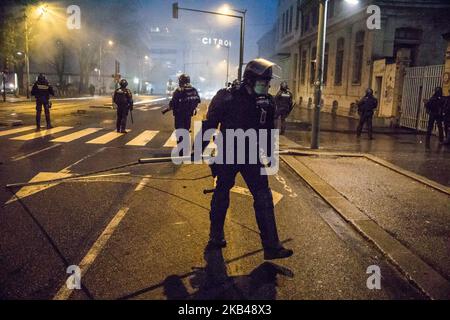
x,y
175,10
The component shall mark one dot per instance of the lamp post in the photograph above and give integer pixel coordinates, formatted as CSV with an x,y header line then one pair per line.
x,y
320,57
176,8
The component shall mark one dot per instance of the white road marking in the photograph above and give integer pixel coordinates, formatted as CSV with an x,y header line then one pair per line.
x,y
64,293
276,196
172,141
149,101
143,182
16,130
104,139
21,157
41,176
76,135
40,134
155,108
142,139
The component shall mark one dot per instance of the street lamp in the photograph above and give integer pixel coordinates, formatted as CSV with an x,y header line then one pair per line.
x,y
176,8
320,57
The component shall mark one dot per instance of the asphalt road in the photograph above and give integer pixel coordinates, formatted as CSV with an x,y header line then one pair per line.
x,y
139,231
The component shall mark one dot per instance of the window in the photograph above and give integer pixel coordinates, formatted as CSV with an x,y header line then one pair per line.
x,y
287,22
291,15
306,23
358,57
297,17
312,70
330,9
325,64
315,16
303,68
339,62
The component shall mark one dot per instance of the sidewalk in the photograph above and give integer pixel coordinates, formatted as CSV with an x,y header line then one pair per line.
x,y
402,147
404,215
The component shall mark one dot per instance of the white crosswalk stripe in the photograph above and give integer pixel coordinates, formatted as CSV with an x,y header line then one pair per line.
x,y
172,141
40,134
144,138
16,130
76,135
104,139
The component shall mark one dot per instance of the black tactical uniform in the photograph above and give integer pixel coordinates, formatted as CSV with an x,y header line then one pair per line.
x,y
434,108
41,91
184,102
123,99
245,107
284,104
366,108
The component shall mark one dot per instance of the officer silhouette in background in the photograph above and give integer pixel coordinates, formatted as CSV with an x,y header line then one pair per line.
x,y
123,99
435,110
184,102
284,103
41,91
366,108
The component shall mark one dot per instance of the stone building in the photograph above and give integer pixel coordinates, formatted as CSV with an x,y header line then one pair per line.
x,y
357,57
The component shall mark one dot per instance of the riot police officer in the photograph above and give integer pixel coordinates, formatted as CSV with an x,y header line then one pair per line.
x,y
366,108
434,107
184,102
283,101
446,119
248,106
41,91
123,99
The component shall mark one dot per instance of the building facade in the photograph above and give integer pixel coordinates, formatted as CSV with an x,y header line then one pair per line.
x,y
356,56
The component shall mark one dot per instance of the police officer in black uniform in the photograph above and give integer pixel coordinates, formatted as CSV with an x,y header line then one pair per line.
x,y
247,106
41,91
366,108
434,107
123,99
184,102
446,119
283,101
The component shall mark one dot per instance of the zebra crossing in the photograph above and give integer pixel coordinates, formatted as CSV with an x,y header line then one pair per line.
x,y
142,139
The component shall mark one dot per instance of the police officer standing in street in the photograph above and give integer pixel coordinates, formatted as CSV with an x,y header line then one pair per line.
x,y
123,99
283,101
249,106
184,102
446,119
41,91
434,107
366,108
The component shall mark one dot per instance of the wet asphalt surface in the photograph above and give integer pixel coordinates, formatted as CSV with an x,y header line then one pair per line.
x,y
157,249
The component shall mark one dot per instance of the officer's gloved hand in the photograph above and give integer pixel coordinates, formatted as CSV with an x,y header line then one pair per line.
x,y
131,108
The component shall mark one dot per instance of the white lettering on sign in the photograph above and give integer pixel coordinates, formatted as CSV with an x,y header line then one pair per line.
x,y
216,41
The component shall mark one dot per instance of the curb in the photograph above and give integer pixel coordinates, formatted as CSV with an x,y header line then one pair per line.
x,y
428,280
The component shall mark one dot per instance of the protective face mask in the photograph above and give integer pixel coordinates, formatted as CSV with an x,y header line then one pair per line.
x,y
261,87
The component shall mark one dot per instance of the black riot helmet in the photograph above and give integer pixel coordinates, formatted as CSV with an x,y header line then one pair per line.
x,y
438,91
41,77
369,92
183,79
123,83
283,85
258,69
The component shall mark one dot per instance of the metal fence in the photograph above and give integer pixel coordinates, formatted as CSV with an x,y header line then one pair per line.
x,y
419,84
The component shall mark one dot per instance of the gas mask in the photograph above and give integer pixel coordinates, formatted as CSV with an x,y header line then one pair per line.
x,y
261,87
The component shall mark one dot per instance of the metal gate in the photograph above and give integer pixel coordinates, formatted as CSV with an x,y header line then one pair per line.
x,y
419,83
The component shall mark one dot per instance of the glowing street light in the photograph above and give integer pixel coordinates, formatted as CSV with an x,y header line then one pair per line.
x,y
110,43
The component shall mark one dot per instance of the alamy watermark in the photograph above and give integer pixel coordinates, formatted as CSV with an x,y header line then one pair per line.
x,y
235,147
374,280
74,280
74,18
